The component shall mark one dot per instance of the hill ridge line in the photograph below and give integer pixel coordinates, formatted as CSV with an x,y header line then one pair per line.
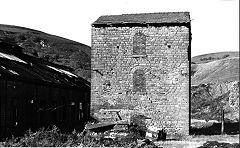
x,y
37,31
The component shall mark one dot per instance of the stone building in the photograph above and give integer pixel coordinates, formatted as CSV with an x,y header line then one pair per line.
x,y
140,65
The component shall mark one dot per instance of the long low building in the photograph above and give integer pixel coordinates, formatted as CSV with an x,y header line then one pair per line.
x,y
36,93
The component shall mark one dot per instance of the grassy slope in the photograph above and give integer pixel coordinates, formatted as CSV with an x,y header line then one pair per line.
x,y
216,71
50,47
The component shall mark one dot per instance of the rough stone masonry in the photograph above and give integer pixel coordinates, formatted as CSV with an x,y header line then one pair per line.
x,y
140,65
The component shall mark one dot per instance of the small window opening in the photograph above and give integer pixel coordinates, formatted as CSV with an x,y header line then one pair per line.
x,y
139,81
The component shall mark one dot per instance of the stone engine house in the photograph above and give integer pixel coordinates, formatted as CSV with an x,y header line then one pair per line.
x,y
140,64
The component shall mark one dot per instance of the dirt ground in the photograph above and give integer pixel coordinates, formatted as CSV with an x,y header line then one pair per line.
x,y
196,141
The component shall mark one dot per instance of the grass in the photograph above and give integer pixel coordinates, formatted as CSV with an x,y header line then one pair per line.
x,y
219,138
202,141
216,71
53,137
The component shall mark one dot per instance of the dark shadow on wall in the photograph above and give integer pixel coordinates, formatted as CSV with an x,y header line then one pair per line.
x,y
215,129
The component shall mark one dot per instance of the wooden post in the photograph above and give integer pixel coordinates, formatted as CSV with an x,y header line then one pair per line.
x,y
222,120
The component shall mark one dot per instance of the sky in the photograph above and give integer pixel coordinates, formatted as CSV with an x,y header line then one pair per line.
x,y
215,23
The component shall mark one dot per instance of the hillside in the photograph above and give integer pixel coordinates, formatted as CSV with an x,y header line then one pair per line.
x,y
214,76
215,84
51,48
205,58
223,70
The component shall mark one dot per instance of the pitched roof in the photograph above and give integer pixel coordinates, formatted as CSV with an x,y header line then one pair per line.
x,y
30,69
144,18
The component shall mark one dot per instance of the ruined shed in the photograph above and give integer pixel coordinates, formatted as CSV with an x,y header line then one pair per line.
x,y
140,64
35,93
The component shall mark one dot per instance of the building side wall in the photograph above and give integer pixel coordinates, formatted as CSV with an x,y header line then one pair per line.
x,y
26,106
165,66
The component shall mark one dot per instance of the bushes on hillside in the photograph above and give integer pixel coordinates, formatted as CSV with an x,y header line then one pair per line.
x,y
214,58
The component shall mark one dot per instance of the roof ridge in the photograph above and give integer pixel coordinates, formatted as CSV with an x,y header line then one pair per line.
x,y
147,13
148,18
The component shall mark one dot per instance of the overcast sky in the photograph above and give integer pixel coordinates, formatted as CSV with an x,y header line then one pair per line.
x,y
215,23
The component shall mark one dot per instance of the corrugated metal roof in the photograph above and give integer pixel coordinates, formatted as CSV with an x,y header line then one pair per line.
x,y
11,57
144,18
19,65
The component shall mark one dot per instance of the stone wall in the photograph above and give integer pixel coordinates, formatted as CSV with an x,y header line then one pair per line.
x,y
143,70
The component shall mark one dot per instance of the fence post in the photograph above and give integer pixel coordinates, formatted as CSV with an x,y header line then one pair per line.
x,y
222,120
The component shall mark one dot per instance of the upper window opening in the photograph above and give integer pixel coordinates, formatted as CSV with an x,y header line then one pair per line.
x,y
139,44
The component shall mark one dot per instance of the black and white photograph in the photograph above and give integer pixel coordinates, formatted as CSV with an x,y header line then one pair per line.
x,y
119,73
